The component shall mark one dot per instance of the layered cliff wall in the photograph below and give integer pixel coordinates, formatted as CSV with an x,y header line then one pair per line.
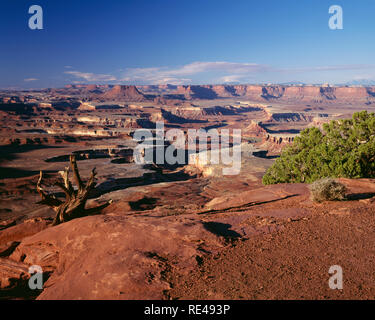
x,y
308,94
165,94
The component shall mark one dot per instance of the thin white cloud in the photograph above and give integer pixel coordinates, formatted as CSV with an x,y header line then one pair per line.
x,y
152,75
206,72
91,77
347,67
162,75
218,66
233,78
30,79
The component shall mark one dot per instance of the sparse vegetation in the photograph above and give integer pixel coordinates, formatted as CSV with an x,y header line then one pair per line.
x,y
344,148
75,200
327,189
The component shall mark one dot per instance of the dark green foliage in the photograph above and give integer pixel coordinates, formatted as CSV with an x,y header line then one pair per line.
x,y
345,148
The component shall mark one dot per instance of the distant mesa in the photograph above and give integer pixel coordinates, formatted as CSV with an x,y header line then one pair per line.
x,y
178,95
124,93
206,91
284,93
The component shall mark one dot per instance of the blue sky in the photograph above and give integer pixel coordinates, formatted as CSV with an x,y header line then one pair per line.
x,y
180,42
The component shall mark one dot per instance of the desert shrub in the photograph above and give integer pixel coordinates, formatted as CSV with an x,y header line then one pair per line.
x,y
344,148
327,189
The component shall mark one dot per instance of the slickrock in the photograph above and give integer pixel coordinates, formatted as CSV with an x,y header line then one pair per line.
x,y
116,257
7,223
262,195
23,230
8,248
12,273
124,255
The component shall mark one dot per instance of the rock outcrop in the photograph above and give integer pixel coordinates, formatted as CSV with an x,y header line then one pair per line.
x,y
13,274
123,93
116,257
304,94
123,255
23,230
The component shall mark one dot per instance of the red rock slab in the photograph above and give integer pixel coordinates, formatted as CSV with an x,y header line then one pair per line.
x,y
261,195
8,248
12,273
7,223
116,257
358,186
23,230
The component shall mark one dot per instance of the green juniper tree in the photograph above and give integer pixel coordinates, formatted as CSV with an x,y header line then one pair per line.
x,y
344,148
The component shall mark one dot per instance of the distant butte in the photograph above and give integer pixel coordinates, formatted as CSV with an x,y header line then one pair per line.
x,y
120,93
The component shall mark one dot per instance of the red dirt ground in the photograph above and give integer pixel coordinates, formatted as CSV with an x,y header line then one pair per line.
x,y
293,262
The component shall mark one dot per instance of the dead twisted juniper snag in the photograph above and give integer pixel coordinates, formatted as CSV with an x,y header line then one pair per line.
x,y
75,200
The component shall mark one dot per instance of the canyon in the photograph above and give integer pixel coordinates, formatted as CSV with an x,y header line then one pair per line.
x,y
169,223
